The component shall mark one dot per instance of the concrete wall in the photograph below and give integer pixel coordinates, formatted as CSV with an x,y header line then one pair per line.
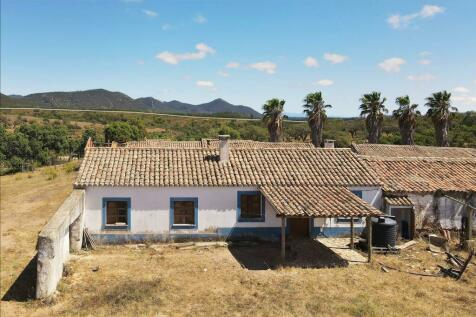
x,y
442,211
54,243
217,213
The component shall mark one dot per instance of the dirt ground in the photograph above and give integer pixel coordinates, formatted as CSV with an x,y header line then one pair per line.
x,y
155,280
242,280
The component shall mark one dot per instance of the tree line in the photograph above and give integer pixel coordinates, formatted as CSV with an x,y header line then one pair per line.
x,y
372,108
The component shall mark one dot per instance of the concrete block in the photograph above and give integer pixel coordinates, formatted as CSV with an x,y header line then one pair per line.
x,y
54,243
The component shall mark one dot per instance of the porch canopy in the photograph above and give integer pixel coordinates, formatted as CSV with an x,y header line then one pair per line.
x,y
312,201
317,202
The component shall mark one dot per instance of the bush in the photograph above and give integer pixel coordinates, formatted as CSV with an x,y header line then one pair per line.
x,y
72,166
50,173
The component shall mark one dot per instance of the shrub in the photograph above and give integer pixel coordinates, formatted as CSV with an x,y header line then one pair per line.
x,y
50,173
72,166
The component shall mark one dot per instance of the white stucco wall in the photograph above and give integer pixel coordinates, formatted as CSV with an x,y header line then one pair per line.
x,y
217,207
150,207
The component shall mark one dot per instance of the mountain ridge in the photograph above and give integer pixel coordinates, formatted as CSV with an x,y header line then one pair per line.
x,y
102,99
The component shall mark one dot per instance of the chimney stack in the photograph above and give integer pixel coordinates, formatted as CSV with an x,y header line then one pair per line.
x,y
329,144
224,147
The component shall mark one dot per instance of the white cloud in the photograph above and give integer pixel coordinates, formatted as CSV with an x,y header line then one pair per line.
x,y
311,62
425,62
398,21
462,90
200,19
223,74
267,67
430,10
205,84
421,77
465,100
392,65
166,27
325,82
335,58
150,13
424,53
173,58
140,62
233,65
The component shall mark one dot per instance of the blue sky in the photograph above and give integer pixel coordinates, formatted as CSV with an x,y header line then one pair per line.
x,y
243,51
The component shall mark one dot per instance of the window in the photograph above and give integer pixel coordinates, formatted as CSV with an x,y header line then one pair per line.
x,y
250,206
184,213
116,213
358,193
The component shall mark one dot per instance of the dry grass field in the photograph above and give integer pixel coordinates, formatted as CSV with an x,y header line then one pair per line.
x,y
27,201
159,280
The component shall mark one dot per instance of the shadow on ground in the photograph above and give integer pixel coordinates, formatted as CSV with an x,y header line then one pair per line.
x,y
24,287
305,253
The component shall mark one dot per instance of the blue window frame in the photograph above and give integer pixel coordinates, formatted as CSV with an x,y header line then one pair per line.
x,y
116,213
358,193
250,200
181,209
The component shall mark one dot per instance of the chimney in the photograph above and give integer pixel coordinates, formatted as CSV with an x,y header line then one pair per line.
x,y
224,146
329,144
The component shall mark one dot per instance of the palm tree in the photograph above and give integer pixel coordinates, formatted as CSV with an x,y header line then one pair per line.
x,y
315,109
273,116
440,111
373,108
406,115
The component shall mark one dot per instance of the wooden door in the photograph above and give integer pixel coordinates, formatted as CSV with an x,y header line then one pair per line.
x,y
298,227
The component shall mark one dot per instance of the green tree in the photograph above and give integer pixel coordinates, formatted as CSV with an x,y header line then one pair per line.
x,y
373,108
440,111
315,110
88,133
121,131
406,115
273,117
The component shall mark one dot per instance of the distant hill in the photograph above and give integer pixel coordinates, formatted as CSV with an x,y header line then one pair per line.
x,y
109,100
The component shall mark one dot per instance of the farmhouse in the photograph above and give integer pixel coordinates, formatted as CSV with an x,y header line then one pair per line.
x,y
159,190
424,186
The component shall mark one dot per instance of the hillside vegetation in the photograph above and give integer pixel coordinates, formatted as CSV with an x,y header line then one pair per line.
x,y
34,137
110,100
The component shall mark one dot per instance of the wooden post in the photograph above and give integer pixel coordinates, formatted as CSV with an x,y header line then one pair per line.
x,y
283,238
369,239
352,233
470,222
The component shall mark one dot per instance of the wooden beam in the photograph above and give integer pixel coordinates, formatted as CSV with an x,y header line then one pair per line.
x,y
470,223
369,239
351,233
283,239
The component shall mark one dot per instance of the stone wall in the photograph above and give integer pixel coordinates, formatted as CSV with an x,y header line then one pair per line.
x,y
61,235
441,210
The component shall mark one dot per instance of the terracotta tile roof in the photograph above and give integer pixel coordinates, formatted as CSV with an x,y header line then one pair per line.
x,y
392,151
316,201
201,167
213,144
398,201
421,169
413,175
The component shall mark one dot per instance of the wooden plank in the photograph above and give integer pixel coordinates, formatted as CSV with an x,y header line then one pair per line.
x,y
470,256
369,239
352,233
